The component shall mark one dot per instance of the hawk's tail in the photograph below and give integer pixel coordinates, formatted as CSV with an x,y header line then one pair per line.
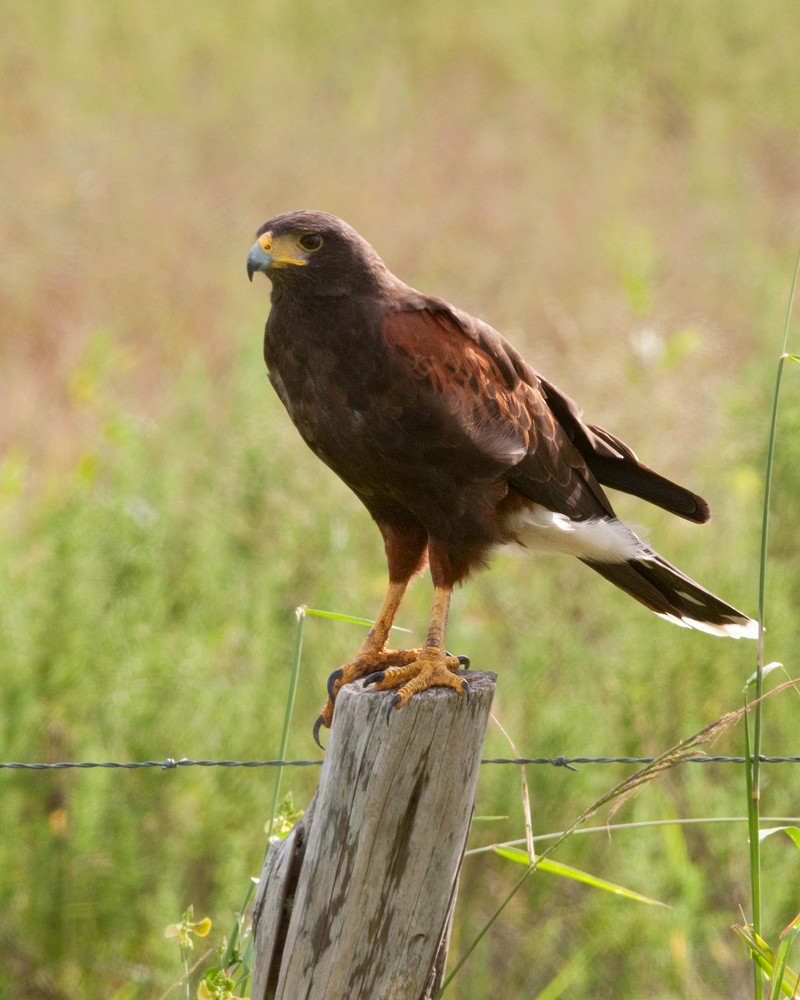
x,y
675,596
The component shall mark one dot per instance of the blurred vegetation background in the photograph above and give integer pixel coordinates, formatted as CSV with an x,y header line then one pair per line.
x,y
616,187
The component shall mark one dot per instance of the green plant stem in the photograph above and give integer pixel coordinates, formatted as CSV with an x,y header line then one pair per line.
x,y
233,941
753,769
755,852
518,885
300,613
187,992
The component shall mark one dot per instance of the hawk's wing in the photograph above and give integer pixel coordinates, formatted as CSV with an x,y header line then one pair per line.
x,y
615,464
510,413
478,381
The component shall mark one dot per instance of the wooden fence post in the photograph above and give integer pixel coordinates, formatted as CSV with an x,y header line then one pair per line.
x,y
356,903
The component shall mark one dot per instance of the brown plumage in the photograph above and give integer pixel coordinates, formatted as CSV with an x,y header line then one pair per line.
x,y
452,442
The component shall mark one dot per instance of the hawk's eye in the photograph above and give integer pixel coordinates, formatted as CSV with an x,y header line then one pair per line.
x,y
310,241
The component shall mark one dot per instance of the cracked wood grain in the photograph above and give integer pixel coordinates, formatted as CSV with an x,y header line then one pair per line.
x,y
356,903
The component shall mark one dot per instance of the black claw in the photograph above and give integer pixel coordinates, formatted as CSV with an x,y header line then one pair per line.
x,y
317,727
464,661
334,677
466,689
393,702
375,678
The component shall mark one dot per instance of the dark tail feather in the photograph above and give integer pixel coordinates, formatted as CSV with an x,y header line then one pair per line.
x,y
676,597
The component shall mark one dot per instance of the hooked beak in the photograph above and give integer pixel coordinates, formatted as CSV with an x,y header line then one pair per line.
x,y
258,260
268,253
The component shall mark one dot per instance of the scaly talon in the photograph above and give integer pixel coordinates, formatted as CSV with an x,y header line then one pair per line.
x,y
336,676
324,718
393,702
371,665
375,678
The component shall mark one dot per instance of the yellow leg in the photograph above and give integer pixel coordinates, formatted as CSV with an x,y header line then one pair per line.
x,y
378,635
414,669
431,667
372,655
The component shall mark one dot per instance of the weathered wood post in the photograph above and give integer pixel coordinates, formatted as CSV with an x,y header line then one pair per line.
x,y
356,903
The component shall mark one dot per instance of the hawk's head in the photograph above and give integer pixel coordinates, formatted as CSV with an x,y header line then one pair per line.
x,y
316,253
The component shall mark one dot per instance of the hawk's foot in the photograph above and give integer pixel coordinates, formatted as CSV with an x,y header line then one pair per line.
x,y
364,665
415,669
431,668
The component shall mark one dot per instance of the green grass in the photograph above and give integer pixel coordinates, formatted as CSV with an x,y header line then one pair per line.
x,y
613,190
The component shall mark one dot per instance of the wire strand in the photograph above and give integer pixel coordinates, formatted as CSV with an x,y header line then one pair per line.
x,y
569,763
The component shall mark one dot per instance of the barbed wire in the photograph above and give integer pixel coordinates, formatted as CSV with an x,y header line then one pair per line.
x,y
172,763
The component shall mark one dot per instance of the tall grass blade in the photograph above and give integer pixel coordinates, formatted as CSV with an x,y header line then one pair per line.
x,y
784,978
352,619
567,871
793,832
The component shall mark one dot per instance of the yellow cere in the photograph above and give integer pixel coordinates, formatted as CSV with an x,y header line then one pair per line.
x,y
283,250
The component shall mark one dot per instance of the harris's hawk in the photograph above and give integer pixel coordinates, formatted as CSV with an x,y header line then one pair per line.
x,y
452,442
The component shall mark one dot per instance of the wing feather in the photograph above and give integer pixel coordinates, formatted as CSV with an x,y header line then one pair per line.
x,y
496,399
616,465
506,409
